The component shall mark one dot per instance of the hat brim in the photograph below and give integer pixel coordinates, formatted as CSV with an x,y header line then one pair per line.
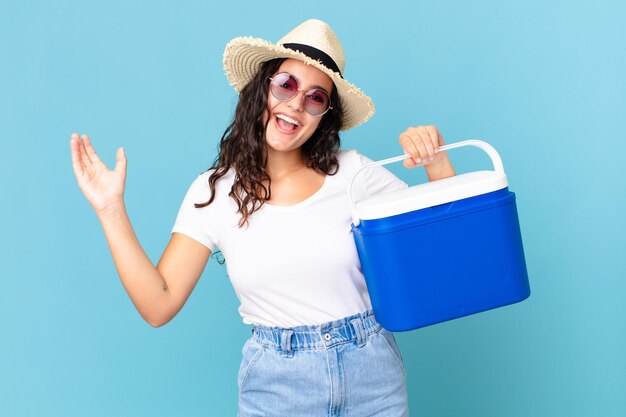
x,y
243,57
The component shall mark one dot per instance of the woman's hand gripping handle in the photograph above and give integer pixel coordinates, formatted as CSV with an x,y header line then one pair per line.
x,y
422,143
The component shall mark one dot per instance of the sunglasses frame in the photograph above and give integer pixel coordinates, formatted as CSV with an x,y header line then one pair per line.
x,y
306,93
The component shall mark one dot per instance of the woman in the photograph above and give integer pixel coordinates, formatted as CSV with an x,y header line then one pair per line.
x,y
275,204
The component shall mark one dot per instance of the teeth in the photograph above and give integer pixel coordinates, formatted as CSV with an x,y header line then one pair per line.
x,y
287,119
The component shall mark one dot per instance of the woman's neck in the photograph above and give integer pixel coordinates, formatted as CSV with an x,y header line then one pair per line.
x,y
281,164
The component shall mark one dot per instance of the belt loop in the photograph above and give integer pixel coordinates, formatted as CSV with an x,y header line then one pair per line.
x,y
358,329
285,343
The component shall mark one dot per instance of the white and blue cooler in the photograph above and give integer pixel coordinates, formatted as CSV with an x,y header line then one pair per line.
x,y
441,250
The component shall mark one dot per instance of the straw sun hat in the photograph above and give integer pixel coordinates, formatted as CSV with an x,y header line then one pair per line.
x,y
312,42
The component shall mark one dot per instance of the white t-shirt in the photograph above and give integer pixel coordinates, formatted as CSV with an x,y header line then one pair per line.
x,y
292,265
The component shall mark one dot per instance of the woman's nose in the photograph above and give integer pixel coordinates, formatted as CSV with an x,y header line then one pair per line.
x,y
297,101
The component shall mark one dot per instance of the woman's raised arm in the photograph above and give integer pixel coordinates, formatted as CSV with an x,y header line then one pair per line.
x,y
158,292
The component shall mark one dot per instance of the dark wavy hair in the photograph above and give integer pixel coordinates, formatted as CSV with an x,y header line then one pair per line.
x,y
243,146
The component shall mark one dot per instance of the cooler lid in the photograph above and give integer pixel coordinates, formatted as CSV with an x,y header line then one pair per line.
x,y
431,194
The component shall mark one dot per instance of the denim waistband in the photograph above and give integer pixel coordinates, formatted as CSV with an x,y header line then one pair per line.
x,y
321,336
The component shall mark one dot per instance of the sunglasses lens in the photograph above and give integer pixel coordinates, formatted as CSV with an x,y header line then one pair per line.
x,y
284,86
316,102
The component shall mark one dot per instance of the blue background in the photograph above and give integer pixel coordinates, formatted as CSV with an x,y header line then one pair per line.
x,y
542,81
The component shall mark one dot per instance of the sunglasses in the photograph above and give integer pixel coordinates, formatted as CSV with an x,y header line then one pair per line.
x,y
285,86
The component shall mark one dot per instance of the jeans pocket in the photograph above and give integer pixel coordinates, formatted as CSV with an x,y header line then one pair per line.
x,y
251,353
390,341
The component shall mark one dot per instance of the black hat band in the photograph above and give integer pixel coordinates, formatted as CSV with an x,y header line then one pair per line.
x,y
315,54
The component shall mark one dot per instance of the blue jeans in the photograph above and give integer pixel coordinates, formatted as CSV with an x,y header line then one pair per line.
x,y
350,367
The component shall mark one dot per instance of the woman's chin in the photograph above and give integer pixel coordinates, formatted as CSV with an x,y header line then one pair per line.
x,y
281,145
281,142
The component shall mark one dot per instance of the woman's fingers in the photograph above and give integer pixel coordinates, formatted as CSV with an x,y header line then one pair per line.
x,y
421,138
91,152
409,163
422,143
75,148
408,144
83,152
429,137
120,161
86,163
435,137
412,141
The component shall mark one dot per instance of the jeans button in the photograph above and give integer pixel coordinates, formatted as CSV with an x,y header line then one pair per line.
x,y
327,336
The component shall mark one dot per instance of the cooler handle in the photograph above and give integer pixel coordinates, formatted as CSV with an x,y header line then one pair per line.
x,y
490,150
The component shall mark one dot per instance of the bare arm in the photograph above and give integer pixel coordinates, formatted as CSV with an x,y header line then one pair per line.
x,y
158,292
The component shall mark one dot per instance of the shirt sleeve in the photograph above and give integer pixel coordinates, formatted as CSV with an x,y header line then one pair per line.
x,y
370,181
378,179
193,222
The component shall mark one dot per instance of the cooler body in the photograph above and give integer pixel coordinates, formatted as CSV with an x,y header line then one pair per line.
x,y
443,262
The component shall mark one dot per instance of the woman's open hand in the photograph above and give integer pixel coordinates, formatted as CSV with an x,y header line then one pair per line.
x,y
103,188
